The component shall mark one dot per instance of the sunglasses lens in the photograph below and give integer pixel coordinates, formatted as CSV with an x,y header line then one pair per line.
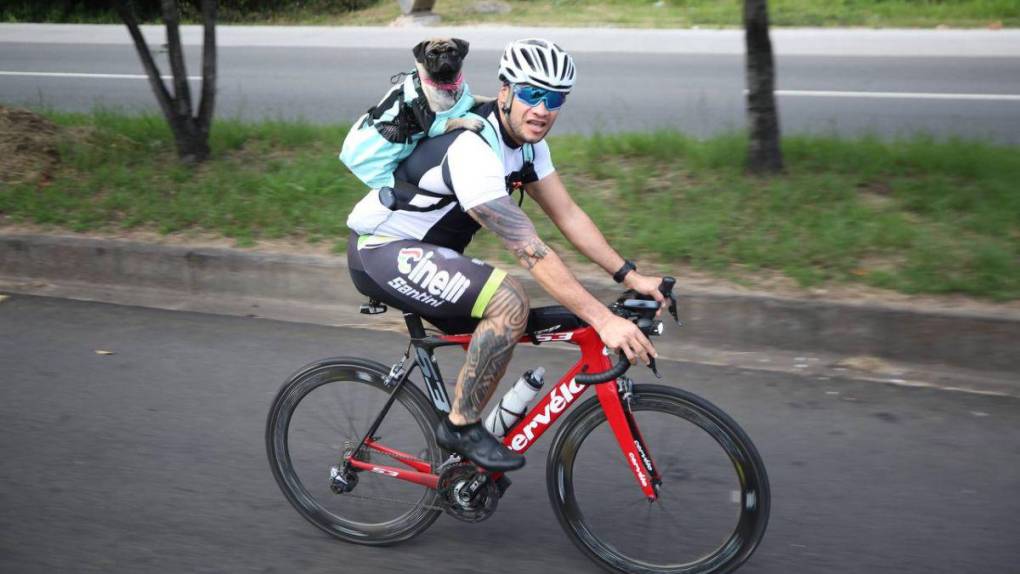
x,y
533,96
555,100
530,95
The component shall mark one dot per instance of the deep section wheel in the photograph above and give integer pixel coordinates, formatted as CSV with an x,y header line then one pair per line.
x,y
318,417
713,501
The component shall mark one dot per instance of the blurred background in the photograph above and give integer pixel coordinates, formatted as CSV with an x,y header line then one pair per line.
x,y
833,183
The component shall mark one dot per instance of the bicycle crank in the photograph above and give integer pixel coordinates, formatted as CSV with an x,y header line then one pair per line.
x,y
468,494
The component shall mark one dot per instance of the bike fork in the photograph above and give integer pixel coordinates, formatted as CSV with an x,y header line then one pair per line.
x,y
621,420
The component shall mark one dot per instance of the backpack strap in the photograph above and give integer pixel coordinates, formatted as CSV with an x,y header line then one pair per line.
x,y
489,134
406,196
529,154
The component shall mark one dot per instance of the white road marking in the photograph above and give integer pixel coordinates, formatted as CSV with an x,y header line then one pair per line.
x,y
899,95
793,93
83,75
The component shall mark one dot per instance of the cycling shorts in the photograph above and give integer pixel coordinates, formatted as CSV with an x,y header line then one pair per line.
x,y
437,283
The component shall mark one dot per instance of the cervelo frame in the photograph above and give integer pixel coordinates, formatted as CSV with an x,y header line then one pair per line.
x,y
527,431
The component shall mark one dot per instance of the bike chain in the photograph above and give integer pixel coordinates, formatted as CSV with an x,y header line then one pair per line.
x,y
451,461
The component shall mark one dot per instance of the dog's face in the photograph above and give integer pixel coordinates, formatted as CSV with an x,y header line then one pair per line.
x,y
441,58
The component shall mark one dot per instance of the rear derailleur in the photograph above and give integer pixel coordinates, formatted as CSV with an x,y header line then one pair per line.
x,y
342,477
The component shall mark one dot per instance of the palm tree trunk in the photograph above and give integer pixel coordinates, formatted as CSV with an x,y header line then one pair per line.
x,y
764,154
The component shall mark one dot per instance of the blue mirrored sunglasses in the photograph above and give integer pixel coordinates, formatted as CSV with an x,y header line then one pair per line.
x,y
531,96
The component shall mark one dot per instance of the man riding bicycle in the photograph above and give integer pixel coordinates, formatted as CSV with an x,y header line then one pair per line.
x,y
407,242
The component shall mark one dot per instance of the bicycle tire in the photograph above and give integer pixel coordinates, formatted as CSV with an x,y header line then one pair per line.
x,y
350,371
750,474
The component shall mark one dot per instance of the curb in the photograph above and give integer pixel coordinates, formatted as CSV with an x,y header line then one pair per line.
x,y
722,321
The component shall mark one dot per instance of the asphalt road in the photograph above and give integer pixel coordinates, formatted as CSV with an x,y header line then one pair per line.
x,y
642,86
151,459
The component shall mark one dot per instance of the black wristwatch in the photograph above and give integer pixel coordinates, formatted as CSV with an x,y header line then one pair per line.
x,y
628,266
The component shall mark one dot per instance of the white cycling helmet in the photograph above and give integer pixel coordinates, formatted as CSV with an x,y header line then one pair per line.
x,y
539,63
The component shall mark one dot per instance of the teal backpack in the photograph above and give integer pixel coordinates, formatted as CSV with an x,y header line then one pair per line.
x,y
389,132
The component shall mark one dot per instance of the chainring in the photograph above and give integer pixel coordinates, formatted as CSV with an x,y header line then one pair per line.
x,y
453,484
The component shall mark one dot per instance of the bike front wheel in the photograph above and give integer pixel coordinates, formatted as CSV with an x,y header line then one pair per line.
x,y
713,499
320,414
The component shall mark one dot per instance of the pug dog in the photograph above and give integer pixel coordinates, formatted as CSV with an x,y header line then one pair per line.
x,y
381,138
439,61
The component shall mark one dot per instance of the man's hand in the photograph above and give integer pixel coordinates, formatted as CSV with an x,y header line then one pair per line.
x,y
646,285
620,334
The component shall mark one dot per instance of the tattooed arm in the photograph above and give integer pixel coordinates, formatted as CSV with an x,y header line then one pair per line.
x,y
504,218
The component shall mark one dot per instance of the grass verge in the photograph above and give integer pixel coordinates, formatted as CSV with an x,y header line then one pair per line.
x,y
630,13
916,216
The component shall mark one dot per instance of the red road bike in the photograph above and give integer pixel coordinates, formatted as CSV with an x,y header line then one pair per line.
x,y
642,477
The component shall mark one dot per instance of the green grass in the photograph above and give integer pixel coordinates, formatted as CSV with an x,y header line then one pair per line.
x,y
916,215
633,13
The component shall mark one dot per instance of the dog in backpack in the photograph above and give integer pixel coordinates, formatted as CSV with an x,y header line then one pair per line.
x,y
439,62
431,100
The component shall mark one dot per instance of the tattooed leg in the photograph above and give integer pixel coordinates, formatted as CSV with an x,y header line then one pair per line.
x,y
490,350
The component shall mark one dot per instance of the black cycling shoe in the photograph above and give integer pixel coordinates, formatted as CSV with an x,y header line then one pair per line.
x,y
477,444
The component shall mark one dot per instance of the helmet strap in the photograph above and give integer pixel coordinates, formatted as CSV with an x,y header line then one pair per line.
x,y
509,101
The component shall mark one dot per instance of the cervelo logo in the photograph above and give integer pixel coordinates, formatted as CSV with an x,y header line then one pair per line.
x,y
560,398
436,286
637,469
644,457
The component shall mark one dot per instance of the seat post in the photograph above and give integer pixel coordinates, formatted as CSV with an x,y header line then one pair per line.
x,y
414,326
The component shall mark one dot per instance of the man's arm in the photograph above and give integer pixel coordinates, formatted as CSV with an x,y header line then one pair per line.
x,y
505,219
552,196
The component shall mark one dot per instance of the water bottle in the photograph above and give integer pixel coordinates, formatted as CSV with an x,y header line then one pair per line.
x,y
514,403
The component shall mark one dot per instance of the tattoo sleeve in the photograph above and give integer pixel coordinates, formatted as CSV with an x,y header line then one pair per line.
x,y
512,225
490,350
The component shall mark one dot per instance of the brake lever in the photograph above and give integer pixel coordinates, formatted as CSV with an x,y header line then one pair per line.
x,y
672,309
651,365
666,288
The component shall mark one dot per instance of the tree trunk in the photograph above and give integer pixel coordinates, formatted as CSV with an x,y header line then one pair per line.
x,y
191,133
764,154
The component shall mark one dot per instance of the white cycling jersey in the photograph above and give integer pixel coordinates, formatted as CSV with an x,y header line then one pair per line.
x,y
460,165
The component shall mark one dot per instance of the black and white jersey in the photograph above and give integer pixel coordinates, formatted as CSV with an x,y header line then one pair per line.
x,y
459,164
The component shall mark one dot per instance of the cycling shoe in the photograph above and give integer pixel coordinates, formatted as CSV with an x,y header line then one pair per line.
x,y
476,444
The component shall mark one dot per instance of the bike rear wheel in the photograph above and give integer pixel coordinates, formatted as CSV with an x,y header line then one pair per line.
x,y
328,407
713,502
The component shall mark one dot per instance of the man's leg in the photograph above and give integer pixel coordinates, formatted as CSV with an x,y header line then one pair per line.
x,y
488,355
406,274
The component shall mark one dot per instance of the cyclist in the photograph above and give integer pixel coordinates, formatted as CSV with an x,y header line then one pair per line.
x,y
407,243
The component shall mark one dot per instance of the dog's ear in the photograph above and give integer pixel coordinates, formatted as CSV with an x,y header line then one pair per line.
x,y
462,46
419,50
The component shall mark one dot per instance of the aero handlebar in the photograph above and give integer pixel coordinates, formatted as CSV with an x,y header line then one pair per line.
x,y
621,366
615,371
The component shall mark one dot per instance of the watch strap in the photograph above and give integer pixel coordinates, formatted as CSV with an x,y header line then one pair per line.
x,y
628,266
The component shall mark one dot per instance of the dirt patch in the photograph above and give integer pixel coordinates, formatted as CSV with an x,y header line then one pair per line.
x,y
28,146
876,194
